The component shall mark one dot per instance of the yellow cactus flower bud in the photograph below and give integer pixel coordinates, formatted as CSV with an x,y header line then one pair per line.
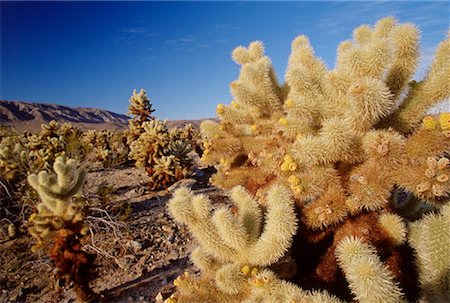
x,y
32,217
294,180
283,121
288,158
285,166
170,300
254,271
289,103
234,104
219,109
206,151
444,120
299,137
429,122
245,270
176,282
298,189
254,128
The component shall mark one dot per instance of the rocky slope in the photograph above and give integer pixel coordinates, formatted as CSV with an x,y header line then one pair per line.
x,y
26,116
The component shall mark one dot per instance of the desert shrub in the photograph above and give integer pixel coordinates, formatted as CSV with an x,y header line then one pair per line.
x,y
352,145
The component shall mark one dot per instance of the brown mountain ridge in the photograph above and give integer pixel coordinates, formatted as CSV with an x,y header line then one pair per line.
x,y
27,116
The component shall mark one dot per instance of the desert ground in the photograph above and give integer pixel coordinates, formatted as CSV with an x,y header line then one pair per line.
x,y
140,249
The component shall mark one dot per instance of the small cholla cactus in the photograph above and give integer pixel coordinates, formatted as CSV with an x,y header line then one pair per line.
x,y
162,153
141,109
59,221
57,211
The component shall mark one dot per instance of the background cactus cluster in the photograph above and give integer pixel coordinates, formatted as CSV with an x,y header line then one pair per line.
x,y
163,153
362,161
106,147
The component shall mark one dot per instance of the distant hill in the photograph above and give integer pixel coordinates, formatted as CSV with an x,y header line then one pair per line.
x,y
26,116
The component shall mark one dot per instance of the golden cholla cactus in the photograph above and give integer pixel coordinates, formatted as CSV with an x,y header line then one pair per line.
x,y
236,248
430,238
57,210
141,109
347,141
59,221
163,154
370,280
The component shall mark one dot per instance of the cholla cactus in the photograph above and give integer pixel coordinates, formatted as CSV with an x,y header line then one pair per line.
x,y
141,108
162,153
60,221
236,247
57,211
430,238
339,141
107,147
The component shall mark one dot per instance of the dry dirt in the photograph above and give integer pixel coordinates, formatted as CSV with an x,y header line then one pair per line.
x,y
140,249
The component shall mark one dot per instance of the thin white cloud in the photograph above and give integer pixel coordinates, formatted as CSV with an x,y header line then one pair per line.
x,y
188,39
134,30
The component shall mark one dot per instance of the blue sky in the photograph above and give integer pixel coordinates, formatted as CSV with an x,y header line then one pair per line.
x,y
92,54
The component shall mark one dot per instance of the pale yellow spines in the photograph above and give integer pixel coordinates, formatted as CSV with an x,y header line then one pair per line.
x,y
224,235
395,226
56,209
235,116
230,279
302,55
253,53
423,95
206,263
384,26
334,142
280,225
405,38
250,212
430,238
369,101
210,129
256,87
140,107
266,287
370,280
56,192
362,34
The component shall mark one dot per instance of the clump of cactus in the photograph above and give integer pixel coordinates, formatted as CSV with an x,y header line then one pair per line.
x,y
106,147
162,153
348,142
59,223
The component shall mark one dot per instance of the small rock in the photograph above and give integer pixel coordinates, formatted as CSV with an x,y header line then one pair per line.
x,y
164,282
171,238
135,245
130,299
